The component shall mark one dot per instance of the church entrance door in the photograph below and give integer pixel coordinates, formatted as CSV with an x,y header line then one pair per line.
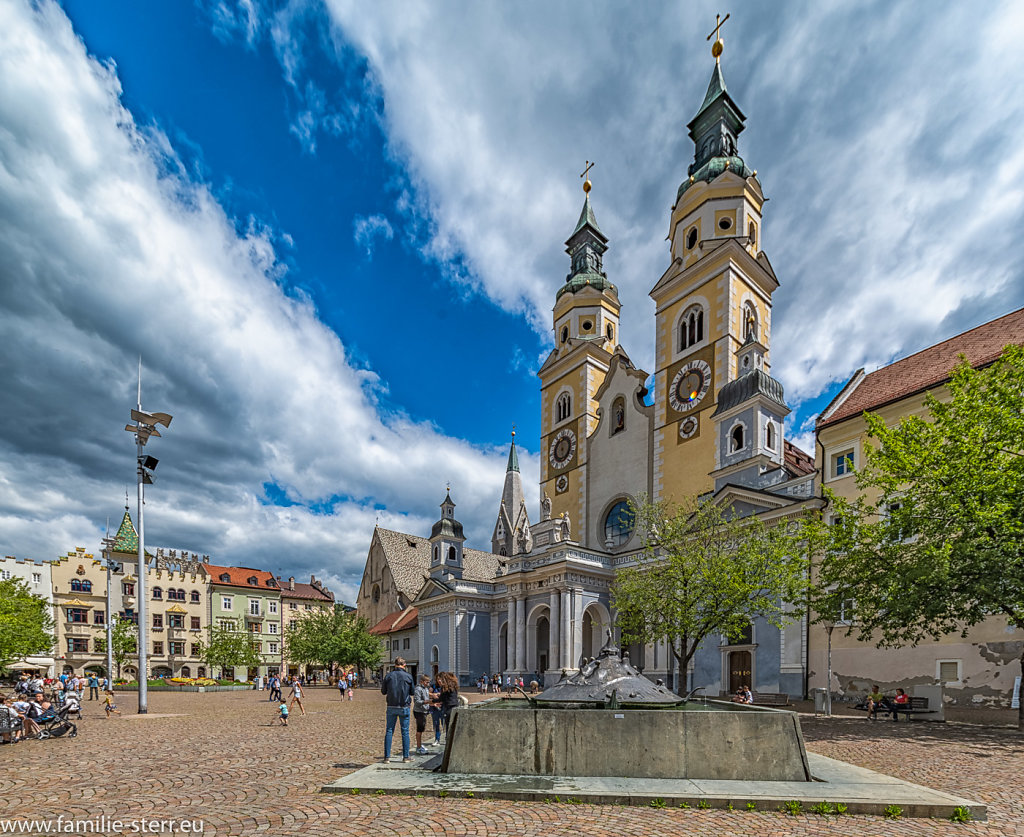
x,y
739,670
541,648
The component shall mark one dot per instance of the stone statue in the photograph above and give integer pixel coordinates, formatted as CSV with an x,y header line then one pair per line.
x,y
545,508
566,526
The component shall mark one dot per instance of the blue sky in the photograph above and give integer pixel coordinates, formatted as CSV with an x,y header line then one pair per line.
x,y
334,231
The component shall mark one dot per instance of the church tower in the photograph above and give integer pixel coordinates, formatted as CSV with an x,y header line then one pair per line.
x,y
446,540
511,534
716,291
586,325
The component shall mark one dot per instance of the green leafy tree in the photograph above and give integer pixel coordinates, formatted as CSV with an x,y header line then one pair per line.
x,y
333,637
230,645
704,571
935,542
124,641
26,623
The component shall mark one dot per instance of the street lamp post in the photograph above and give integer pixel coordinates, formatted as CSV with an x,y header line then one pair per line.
x,y
144,427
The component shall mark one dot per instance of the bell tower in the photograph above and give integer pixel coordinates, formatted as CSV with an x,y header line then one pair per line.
x,y
586,327
716,292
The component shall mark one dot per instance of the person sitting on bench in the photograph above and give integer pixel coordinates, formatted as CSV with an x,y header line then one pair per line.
x,y
899,703
876,701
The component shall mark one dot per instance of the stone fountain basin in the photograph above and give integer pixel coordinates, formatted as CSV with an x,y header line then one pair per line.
x,y
712,740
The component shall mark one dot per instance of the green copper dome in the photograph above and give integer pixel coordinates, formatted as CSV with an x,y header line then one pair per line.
x,y
713,168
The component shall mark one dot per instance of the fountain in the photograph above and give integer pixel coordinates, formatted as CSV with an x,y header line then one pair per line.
x,y
606,719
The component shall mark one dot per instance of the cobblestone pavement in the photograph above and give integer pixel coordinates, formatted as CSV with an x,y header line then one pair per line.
x,y
217,758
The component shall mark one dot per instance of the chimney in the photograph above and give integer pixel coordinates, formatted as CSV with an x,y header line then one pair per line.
x,y
291,582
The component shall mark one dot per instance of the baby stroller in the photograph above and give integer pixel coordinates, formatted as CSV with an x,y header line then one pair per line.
x,y
54,723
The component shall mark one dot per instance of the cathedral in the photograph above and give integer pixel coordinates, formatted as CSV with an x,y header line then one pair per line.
x,y
712,424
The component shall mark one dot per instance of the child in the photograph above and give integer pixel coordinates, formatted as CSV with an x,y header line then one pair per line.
x,y
108,703
283,717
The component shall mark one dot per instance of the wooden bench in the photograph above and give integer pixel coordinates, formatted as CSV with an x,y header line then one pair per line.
x,y
771,699
915,706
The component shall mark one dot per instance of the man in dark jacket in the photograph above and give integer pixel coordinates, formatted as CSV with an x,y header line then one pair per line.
x,y
398,687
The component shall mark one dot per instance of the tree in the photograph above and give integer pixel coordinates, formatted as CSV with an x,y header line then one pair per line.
x,y
935,543
337,636
229,645
705,571
124,641
26,623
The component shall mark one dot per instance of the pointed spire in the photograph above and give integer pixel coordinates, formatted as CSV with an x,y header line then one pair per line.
x,y
513,457
126,539
716,88
587,219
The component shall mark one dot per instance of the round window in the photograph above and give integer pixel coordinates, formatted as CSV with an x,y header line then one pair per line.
x,y
724,223
587,325
691,238
619,524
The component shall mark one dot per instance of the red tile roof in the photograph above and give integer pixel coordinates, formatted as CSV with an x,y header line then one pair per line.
x,y
305,591
798,463
239,577
400,620
925,369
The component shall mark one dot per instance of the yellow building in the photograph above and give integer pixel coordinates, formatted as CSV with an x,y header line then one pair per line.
x,y
979,668
79,583
299,600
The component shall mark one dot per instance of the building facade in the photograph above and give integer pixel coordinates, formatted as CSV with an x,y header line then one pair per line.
x,y
36,575
299,600
79,582
976,669
243,598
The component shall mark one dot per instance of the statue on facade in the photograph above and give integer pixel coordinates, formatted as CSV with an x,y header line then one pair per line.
x,y
566,526
545,508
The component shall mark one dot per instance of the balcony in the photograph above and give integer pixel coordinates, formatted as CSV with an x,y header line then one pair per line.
x,y
255,617
78,629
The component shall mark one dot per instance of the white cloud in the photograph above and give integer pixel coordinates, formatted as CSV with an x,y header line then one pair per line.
x,y
108,250
366,230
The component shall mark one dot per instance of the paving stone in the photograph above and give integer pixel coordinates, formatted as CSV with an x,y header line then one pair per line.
x,y
219,757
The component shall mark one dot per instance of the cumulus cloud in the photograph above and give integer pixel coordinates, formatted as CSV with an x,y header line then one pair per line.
x,y
110,249
366,231
892,160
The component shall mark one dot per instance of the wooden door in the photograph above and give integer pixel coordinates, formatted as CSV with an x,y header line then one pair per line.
x,y
739,670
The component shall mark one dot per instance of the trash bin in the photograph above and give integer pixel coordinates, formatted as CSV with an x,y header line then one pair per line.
x,y
819,701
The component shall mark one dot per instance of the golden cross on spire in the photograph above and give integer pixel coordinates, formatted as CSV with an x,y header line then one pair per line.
x,y
718,45
513,431
586,181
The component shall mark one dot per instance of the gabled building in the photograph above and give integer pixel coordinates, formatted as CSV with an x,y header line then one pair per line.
x,y
298,600
980,667
398,634
243,598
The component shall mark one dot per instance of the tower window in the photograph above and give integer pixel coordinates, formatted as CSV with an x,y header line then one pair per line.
x,y
691,327
587,325
437,554
752,234
691,238
451,554
619,524
769,436
736,439
565,333
609,330
724,223
563,406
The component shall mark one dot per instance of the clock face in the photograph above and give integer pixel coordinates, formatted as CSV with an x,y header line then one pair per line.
x,y
563,446
689,386
688,427
562,484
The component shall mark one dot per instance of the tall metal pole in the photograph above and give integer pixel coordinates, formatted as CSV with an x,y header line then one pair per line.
x,y
140,587
110,617
828,683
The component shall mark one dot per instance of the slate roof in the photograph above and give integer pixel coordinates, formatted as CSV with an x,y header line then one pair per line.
x,y
408,558
304,591
924,370
400,620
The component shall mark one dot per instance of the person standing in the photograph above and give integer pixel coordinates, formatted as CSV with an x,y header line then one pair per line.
x,y
342,686
449,698
297,696
398,687
420,707
94,687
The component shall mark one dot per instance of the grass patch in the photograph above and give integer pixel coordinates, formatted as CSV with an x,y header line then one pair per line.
x,y
793,808
961,813
893,812
658,802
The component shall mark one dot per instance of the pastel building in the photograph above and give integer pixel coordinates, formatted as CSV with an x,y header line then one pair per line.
x,y
36,575
243,598
297,601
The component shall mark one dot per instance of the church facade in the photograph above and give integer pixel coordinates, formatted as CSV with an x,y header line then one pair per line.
x,y
712,424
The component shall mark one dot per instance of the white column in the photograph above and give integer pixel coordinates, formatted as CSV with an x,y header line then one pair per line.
x,y
553,661
495,653
510,636
521,634
565,652
577,632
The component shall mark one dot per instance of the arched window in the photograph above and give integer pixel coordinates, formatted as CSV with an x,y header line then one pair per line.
x,y
76,586
158,593
375,594
563,406
752,234
565,333
502,551
186,671
618,415
749,321
691,238
451,554
195,596
769,436
609,330
736,439
86,586
225,577
691,327
619,524
255,582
